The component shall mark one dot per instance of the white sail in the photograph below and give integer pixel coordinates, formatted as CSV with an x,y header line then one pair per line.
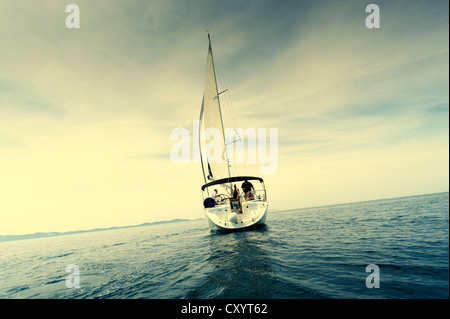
x,y
212,141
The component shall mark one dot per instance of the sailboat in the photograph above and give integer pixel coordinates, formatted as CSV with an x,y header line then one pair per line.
x,y
231,203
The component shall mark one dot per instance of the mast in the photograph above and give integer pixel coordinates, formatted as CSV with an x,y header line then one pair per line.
x,y
220,112
199,139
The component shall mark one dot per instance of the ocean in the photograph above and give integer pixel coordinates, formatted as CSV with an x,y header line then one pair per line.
x,y
309,253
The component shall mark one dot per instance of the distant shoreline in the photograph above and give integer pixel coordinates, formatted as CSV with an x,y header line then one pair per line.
x,y
5,238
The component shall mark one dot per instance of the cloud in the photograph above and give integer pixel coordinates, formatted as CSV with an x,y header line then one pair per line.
x,y
338,92
86,115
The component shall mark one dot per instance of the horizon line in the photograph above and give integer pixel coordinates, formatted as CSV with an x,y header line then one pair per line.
x,y
54,234
4,238
362,201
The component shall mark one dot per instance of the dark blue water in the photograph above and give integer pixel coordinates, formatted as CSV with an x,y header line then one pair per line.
x,y
306,253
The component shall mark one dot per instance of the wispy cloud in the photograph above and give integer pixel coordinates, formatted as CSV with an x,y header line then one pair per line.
x,y
365,90
86,115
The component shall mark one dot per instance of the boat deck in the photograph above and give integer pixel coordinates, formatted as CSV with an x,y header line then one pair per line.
x,y
253,212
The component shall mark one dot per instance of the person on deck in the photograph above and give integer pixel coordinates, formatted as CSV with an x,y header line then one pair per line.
x,y
215,195
247,187
236,193
236,198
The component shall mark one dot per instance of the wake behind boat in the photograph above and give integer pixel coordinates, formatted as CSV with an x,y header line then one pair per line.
x,y
230,202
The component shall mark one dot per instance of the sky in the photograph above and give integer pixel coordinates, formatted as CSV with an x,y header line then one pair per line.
x,y
86,113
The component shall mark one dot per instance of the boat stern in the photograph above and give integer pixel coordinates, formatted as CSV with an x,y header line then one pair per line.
x,y
222,217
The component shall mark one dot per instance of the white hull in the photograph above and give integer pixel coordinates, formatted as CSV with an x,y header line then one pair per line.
x,y
253,215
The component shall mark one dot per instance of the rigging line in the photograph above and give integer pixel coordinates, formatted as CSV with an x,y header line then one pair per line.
x,y
223,83
237,136
230,110
218,100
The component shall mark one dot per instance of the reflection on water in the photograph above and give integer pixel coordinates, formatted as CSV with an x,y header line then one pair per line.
x,y
240,266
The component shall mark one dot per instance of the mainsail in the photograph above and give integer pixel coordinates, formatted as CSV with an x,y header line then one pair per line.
x,y
213,151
